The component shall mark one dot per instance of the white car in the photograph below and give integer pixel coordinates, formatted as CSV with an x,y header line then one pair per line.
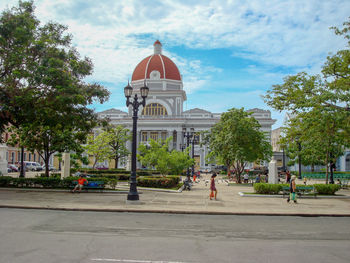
x,y
33,166
51,168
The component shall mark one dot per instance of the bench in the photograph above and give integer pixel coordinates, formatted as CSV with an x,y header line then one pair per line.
x,y
95,185
300,190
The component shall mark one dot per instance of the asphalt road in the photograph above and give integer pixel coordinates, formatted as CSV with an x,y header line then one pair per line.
x,y
89,237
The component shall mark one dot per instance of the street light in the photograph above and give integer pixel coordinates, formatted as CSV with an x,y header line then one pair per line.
x,y
133,194
188,136
299,157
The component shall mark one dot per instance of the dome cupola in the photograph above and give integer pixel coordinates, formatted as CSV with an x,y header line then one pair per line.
x,y
156,66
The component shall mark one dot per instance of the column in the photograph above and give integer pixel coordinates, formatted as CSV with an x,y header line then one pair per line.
x,y
3,161
65,168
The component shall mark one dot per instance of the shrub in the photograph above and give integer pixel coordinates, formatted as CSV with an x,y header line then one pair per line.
x,y
263,188
159,182
5,181
326,189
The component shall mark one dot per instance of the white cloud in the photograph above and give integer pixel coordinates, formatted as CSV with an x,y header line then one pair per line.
x,y
287,33
116,35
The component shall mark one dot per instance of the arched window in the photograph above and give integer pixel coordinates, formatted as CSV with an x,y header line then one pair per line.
x,y
154,109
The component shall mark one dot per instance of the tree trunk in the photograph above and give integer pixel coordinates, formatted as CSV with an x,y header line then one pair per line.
x,y
312,167
46,161
47,167
239,171
116,160
327,169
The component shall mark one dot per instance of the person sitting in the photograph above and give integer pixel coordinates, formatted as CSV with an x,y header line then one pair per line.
x,y
80,184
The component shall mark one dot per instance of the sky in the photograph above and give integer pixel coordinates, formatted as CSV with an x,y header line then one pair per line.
x,y
228,52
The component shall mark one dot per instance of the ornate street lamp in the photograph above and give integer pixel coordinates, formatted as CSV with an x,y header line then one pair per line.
x,y
191,138
133,194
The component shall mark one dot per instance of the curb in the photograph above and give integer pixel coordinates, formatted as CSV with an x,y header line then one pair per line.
x,y
62,191
303,197
125,210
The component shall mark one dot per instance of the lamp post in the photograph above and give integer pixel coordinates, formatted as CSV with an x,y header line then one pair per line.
x,y
194,140
299,157
133,194
188,136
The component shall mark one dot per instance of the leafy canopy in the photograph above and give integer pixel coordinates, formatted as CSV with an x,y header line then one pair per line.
x,y
237,140
43,94
157,155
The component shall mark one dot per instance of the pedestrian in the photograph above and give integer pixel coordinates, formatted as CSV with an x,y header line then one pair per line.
x,y
287,177
212,187
305,179
246,178
292,189
257,179
80,184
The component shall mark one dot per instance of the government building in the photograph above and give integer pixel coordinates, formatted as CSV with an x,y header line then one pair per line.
x,y
164,115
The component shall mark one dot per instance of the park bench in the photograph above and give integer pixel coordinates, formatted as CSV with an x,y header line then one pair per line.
x,y
94,185
300,190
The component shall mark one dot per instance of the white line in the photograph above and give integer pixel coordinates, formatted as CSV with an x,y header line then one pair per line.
x,y
133,260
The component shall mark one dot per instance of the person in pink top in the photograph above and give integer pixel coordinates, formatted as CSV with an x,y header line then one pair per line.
x,y
212,187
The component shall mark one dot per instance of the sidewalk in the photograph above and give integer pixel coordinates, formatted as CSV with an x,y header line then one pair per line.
x,y
195,201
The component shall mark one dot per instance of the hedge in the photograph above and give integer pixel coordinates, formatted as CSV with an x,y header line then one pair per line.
x,y
322,189
44,182
263,188
159,182
326,189
56,182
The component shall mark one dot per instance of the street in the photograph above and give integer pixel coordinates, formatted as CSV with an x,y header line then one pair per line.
x,y
70,236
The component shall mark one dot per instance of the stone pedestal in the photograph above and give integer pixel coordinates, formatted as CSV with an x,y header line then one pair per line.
x,y
273,173
128,163
65,167
3,161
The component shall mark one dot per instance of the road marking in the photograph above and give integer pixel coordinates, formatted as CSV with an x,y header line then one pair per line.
x,y
133,260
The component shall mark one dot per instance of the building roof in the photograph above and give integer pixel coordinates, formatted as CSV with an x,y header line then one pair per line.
x,y
196,110
156,62
112,111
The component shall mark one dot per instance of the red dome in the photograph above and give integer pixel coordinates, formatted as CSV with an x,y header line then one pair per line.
x,y
157,62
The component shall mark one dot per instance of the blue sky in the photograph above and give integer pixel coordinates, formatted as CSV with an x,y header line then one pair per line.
x,y
229,52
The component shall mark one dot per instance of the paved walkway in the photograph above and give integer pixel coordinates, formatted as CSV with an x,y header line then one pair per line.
x,y
194,201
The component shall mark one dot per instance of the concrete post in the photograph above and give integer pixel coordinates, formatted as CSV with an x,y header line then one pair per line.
x,y
273,174
3,161
65,167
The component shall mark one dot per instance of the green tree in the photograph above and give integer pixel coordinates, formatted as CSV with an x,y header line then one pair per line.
x,y
322,102
157,155
117,138
98,147
43,93
237,140
302,92
320,135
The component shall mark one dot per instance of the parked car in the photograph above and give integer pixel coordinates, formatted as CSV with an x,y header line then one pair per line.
x,y
12,168
33,166
51,168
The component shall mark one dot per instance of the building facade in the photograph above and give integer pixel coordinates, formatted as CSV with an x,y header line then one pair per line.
x,y
164,115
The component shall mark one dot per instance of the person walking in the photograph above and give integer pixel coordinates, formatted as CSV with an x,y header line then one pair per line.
x,y
292,189
212,187
246,178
